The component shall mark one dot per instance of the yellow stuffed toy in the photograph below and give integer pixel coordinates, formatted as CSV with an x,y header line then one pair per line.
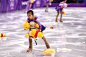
x,y
63,13
36,33
36,25
27,36
2,35
26,25
33,33
49,51
63,9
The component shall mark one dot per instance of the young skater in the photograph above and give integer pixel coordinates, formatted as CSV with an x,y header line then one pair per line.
x,y
59,9
48,2
31,17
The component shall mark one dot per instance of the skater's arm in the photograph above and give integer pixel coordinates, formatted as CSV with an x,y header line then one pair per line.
x,y
39,24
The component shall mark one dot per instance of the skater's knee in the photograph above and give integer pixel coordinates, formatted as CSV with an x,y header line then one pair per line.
x,y
43,37
61,12
30,40
57,15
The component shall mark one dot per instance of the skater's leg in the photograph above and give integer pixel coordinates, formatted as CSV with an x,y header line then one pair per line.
x,y
46,43
30,6
46,10
57,16
61,17
27,6
30,45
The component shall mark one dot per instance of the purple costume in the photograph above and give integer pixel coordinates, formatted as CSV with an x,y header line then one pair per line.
x,y
41,27
61,5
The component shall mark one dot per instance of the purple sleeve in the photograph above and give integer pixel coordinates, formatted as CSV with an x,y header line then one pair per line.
x,y
39,24
27,20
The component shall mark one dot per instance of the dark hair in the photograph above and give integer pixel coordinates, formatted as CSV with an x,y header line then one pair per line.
x,y
30,11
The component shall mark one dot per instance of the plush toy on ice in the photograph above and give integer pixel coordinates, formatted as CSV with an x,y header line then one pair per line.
x,y
49,52
2,35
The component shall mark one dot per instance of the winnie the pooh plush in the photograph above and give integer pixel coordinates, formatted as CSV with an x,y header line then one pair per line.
x,y
26,25
34,33
33,24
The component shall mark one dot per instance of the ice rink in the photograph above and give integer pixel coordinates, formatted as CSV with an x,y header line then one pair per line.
x,y
67,38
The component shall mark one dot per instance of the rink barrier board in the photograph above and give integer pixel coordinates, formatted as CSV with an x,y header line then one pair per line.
x,y
13,5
